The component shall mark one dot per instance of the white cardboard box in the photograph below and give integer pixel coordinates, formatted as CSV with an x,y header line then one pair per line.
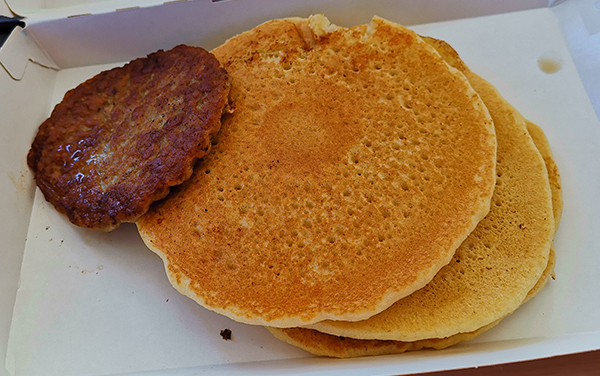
x,y
76,302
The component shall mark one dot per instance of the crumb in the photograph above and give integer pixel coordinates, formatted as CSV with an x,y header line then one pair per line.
x,y
167,300
226,334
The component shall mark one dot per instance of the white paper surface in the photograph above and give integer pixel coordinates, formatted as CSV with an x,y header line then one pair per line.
x,y
580,22
92,303
15,180
4,11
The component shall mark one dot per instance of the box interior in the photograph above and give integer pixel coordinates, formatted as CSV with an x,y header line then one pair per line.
x,y
83,293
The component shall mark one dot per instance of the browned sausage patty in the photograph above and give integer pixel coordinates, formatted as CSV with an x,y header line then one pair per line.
x,y
120,140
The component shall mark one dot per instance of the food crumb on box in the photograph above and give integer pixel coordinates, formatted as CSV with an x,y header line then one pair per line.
x,y
226,334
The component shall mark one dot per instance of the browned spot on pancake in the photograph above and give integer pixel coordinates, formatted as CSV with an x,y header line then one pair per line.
x,y
303,133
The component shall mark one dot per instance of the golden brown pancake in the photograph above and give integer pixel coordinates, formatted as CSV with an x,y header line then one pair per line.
x,y
354,164
499,263
541,142
323,344
120,140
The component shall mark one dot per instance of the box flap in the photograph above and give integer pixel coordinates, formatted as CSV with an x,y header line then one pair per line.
x,y
424,11
18,50
73,8
137,32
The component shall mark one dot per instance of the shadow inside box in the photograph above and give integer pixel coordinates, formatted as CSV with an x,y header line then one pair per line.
x,y
7,24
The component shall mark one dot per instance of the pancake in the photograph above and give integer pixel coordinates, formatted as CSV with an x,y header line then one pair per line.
x,y
541,142
344,179
323,344
121,139
499,263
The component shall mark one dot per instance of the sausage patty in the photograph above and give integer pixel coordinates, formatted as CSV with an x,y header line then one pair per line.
x,y
120,140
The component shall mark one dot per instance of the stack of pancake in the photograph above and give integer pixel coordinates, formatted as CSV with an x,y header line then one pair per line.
x,y
366,194
369,194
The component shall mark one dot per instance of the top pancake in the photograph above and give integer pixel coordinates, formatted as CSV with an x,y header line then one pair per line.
x,y
120,140
502,259
354,164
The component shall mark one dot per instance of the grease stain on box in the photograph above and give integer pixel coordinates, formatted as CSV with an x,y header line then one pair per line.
x,y
549,65
19,181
